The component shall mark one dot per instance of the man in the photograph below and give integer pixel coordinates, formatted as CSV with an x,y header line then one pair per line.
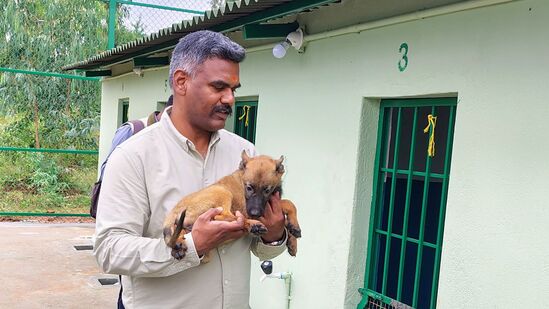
x,y
148,174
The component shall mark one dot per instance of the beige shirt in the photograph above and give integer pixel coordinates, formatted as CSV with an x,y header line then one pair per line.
x,y
145,178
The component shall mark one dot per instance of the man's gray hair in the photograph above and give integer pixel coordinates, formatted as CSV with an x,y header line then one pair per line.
x,y
197,47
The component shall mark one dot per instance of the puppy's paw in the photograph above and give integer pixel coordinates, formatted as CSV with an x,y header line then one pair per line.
x,y
291,243
294,230
179,250
258,229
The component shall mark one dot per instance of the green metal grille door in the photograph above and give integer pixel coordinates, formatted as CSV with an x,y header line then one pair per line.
x,y
245,120
410,188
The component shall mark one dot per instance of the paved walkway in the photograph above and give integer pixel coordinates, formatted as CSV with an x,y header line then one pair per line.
x,y
40,268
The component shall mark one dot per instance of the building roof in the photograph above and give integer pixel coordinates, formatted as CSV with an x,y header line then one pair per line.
x,y
230,17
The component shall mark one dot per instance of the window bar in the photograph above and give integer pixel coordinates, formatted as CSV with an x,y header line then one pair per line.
x,y
253,120
442,212
235,120
249,112
241,122
373,214
414,173
250,133
409,239
406,209
422,224
386,138
380,200
391,205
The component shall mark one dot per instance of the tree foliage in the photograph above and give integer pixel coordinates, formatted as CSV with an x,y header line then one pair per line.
x,y
51,112
216,4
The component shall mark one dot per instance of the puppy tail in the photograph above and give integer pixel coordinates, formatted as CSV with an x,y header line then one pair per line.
x,y
178,229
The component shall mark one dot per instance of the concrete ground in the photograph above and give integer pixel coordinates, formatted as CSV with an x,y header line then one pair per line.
x,y
40,268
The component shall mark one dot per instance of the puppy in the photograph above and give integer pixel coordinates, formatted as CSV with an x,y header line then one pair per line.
x,y
247,190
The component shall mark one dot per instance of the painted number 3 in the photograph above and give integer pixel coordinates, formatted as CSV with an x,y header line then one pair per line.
x,y
403,62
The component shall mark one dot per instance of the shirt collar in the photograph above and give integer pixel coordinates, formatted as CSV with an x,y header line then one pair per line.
x,y
184,142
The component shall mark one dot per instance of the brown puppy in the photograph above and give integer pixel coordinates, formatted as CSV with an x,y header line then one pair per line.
x,y
247,190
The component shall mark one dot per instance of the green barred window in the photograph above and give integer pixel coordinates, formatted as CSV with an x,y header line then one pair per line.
x,y
245,120
408,207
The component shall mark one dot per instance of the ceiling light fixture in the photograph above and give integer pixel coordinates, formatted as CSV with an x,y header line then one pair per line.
x,y
294,39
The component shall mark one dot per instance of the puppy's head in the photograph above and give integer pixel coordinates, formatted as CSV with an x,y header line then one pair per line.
x,y
262,177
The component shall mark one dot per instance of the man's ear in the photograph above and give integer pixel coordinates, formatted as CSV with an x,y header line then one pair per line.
x,y
279,165
180,80
245,159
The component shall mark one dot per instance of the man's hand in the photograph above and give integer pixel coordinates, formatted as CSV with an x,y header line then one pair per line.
x,y
273,219
208,233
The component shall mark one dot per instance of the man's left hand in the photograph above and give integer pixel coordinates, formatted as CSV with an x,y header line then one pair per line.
x,y
273,219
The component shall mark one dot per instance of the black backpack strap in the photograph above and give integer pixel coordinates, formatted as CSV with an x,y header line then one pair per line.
x,y
120,304
137,125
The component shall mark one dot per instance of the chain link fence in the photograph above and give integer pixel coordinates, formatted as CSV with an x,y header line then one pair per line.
x,y
49,129
149,20
49,123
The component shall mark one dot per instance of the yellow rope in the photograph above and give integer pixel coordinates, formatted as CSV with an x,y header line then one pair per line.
x,y
246,109
432,121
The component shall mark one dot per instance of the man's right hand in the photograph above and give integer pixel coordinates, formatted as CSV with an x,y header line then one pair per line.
x,y
208,233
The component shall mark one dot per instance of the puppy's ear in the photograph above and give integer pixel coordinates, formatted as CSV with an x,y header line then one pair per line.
x,y
244,161
279,166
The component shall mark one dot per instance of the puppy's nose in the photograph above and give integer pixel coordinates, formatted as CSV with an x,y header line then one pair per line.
x,y
255,213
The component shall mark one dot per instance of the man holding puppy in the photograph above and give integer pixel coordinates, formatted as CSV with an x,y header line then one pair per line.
x,y
183,153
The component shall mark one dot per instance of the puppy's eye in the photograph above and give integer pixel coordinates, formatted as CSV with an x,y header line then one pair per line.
x,y
249,189
267,191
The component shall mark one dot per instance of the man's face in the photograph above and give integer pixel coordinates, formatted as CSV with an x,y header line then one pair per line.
x,y
210,94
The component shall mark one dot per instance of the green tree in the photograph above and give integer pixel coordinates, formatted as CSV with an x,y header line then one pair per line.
x,y
45,36
49,112
216,4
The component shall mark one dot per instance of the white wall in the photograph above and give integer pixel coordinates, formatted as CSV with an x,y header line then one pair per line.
x,y
494,58
319,109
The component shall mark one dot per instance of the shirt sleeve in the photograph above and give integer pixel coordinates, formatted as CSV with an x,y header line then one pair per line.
x,y
266,251
122,217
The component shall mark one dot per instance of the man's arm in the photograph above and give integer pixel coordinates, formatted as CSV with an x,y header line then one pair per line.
x,y
124,214
122,218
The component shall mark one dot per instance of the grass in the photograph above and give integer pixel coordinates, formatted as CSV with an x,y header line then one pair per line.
x,y
46,183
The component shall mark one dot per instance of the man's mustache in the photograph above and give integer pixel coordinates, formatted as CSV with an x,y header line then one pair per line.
x,y
224,108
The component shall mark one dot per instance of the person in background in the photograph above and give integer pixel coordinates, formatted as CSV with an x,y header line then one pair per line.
x,y
125,131
128,129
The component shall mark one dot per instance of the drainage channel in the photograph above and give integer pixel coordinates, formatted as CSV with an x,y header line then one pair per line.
x,y
102,281
83,247
108,281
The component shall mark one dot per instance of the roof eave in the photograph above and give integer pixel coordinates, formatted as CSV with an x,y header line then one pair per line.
x,y
230,17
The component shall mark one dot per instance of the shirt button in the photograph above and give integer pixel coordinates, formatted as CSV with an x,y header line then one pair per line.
x,y
226,282
223,251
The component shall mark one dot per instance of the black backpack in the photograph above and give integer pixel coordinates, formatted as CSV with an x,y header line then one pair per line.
x,y
136,125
